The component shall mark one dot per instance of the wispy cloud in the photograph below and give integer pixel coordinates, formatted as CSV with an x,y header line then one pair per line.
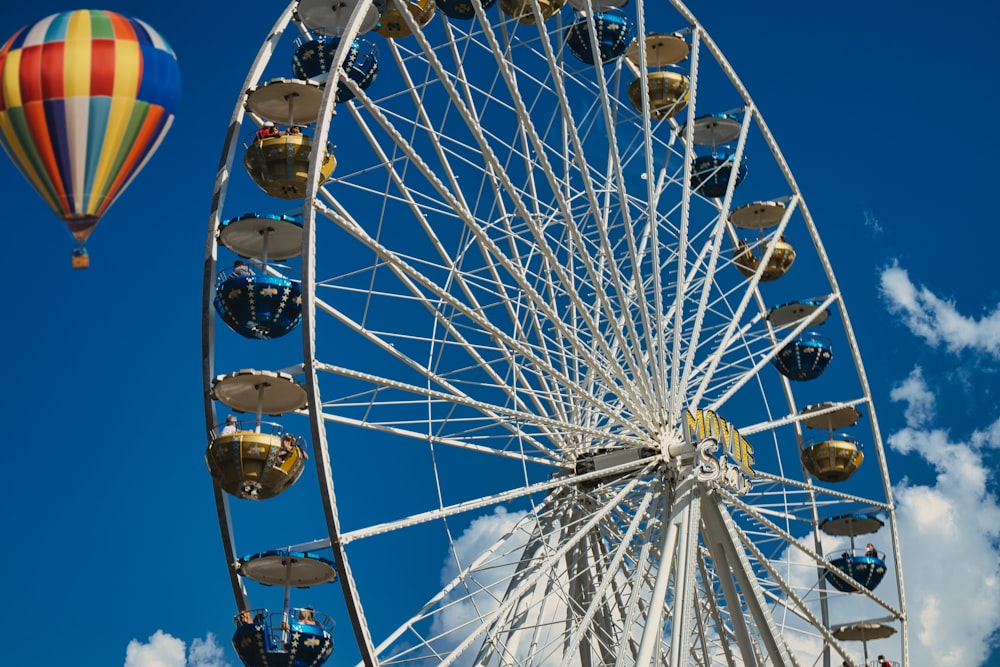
x,y
872,223
206,653
165,650
950,527
937,320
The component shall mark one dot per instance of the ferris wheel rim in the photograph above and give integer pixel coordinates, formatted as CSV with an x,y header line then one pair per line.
x,y
312,368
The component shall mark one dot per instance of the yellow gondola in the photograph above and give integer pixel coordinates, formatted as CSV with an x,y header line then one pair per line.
x,y
780,261
668,94
392,25
251,465
833,460
279,164
521,9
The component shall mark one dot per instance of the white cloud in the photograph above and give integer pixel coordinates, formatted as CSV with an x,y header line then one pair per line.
x,y
165,650
949,532
936,320
872,223
918,398
206,653
466,605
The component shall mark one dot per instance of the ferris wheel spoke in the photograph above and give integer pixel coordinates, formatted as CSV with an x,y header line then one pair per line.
x,y
798,605
521,285
837,497
570,225
729,335
817,559
419,285
551,261
602,577
496,624
734,567
489,413
616,285
439,381
479,503
709,278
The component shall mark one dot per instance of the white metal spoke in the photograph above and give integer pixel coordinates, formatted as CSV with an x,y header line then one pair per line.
x,y
527,316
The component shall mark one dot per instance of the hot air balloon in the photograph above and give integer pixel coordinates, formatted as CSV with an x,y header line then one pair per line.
x,y
86,97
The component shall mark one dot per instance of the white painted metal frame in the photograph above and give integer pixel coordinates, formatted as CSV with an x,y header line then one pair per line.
x,y
510,271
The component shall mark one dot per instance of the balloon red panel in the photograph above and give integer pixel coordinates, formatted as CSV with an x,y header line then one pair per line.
x,y
85,98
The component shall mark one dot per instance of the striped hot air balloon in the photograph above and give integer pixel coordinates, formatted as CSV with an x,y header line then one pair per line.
x,y
86,97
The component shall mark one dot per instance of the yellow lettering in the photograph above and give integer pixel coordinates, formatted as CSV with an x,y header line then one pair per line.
x,y
707,424
691,423
748,459
726,433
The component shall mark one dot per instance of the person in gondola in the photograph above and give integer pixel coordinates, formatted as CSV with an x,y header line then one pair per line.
x,y
288,446
230,426
305,618
240,269
882,662
871,551
268,130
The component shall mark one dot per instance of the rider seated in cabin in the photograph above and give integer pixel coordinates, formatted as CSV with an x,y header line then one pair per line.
x,y
288,446
871,551
246,618
305,618
241,269
230,426
268,130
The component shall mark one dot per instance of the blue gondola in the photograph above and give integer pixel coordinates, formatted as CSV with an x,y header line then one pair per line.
x,y
262,639
313,59
260,306
711,173
805,358
614,34
294,637
462,9
864,570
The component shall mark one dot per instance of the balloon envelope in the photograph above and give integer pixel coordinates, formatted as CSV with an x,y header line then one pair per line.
x,y
86,96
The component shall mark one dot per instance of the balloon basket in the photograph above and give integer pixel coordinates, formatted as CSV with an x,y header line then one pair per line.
x,y
81,259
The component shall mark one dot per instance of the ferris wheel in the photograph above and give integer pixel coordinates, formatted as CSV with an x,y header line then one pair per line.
x,y
531,294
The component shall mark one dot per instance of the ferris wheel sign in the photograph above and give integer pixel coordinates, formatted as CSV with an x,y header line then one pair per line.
x,y
724,456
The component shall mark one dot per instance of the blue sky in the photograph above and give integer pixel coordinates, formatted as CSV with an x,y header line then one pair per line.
x,y
878,109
